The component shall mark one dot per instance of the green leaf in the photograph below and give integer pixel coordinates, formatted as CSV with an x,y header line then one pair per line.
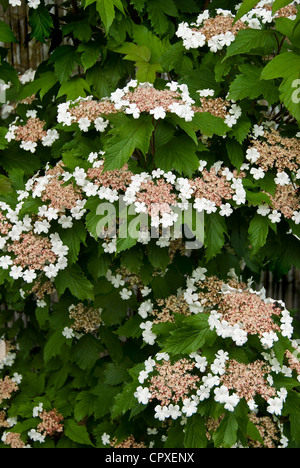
x,y
81,29
280,4
41,85
73,238
85,352
178,154
77,433
41,23
282,66
226,434
195,433
132,134
194,334
134,52
6,34
252,41
249,85
209,124
245,7
65,58
106,11
159,13
53,345
74,89
215,230
258,232
105,395
72,278
90,53
290,94
235,153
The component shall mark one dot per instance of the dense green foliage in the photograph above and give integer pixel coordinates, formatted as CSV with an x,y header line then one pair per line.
x,y
135,108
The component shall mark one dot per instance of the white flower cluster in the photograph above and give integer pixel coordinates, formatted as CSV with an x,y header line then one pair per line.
x,y
25,226
259,16
194,39
7,358
67,119
31,3
193,36
31,145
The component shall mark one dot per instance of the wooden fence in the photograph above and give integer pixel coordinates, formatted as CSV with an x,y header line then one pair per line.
x,y
26,54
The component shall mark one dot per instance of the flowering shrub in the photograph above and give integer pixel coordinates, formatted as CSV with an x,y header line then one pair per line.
x,y
149,175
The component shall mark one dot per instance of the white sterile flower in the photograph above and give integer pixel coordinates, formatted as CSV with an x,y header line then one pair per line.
x,y
183,111
143,375
41,226
174,411
210,207
202,165
275,216
162,356
206,92
226,210
282,178
201,362
221,394
68,332
163,242
210,380
275,406
28,146
125,294
16,272
50,138
189,407
117,281
37,410
41,303
161,412
228,174
133,110
258,130
14,3
203,392
34,4
257,173
143,395
91,189
296,217
65,222
267,339
51,271
252,154
263,210
101,124
230,120
5,262
17,378
145,308
200,204
92,157
84,124
105,439
140,207
158,113
146,291
29,276
36,436
239,336
231,402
